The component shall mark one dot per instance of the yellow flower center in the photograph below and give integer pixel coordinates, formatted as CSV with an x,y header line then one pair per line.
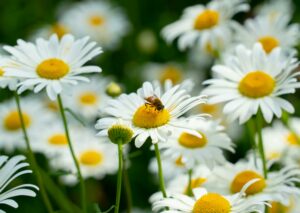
x,y
52,105
190,141
278,208
212,203
96,20
12,121
1,72
172,73
91,158
52,69
292,139
257,84
195,183
206,20
268,43
179,162
59,30
147,116
208,108
244,177
88,98
274,155
58,139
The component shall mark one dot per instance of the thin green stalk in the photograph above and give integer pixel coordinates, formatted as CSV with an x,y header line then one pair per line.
x,y
127,188
190,189
160,171
259,123
119,181
251,132
31,157
82,186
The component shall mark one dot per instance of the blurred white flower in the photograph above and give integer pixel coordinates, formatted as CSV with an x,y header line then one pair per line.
x,y
103,22
251,80
10,169
203,25
52,64
271,34
35,117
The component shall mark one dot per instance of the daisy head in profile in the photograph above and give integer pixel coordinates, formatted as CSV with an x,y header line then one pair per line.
x,y
150,112
205,148
51,64
203,201
102,21
204,25
269,33
251,80
279,186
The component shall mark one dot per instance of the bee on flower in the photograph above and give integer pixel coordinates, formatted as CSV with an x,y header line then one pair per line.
x,y
204,25
150,113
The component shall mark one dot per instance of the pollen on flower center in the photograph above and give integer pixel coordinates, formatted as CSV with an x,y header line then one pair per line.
x,y
244,177
195,183
88,98
96,20
256,84
292,139
1,72
59,30
58,139
268,43
190,141
212,203
172,73
12,121
52,69
91,158
207,19
147,116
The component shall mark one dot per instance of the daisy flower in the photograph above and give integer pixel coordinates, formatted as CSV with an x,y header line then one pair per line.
x,y
52,64
277,207
251,80
52,141
271,34
176,73
10,125
281,142
206,148
202,25
100,20
48,30
204,201
171,168
10,169
279,186
5,81
150,113
87,99
275,8
96,158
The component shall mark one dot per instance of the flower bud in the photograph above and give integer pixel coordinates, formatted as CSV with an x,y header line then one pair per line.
x,y
120,133
113,89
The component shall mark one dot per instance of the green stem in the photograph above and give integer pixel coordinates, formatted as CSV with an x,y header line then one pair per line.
x,y
82,186
127,187
160,171
190,189
119,181
259,123
251,132
31,157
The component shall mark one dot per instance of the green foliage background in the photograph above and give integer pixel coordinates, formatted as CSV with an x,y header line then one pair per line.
x,y
19,18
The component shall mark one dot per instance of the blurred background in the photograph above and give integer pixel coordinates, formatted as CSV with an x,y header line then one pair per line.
x,y
21,18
